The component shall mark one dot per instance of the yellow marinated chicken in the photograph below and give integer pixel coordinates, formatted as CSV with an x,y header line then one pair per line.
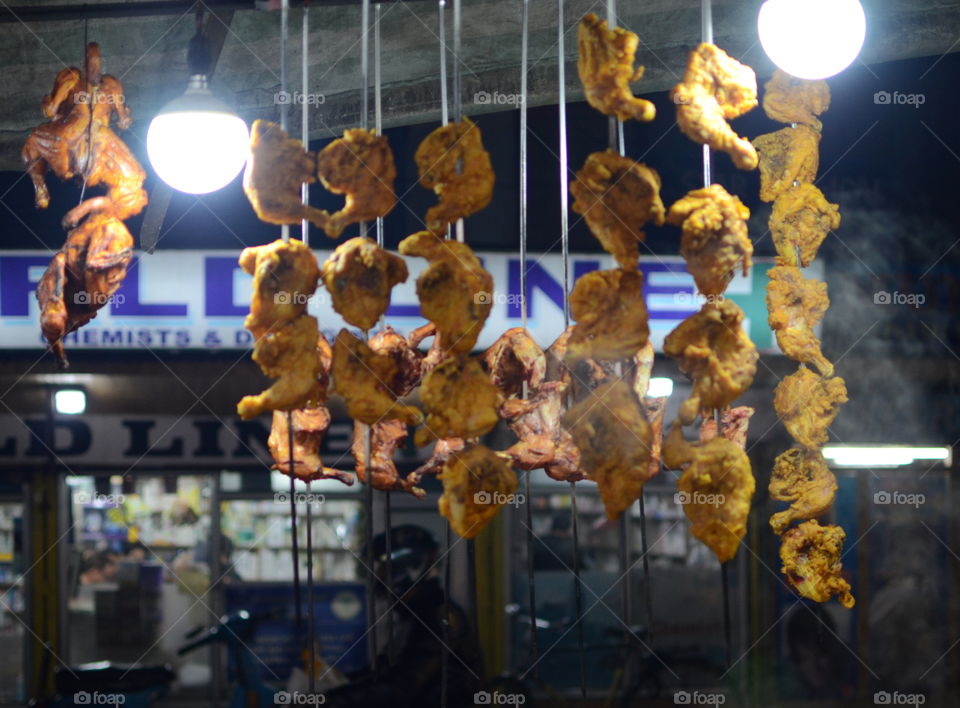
x,y
455,292
791,100
714,350
716,88
611,315
788,157
476,483
513,359
808,404
716,488
459,399
811,556
359,276
795,305
803,478
285,275
714,241
605,64
614,438
801,219
617,196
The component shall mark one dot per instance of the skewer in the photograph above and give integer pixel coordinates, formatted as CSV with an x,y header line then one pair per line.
x,y
294,542
311,619
457,95
285,106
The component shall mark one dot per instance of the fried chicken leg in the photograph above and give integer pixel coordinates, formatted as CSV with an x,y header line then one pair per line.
x,y
808,404
803,478
359,276
795,305
811,562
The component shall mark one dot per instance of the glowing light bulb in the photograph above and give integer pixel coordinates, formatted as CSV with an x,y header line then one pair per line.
x,y
812,39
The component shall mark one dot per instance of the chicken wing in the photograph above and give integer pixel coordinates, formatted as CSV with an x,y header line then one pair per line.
x,y
514,359
614,439
716,353
360,165
734,423
791,100
795,305
359,276
459,399
811,562
605,65
803,478
788,157
611,315
716,88
476,483
455,291
801,219
808,404
617,196
714,242
716,488
452,162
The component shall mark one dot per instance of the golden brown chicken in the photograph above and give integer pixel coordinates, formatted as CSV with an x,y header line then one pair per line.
x,y
734,424
443,451
803,478
614,439
655,410
716,488
605,64
714,242
408,362
286,353
455,291
459,399
642,364
617,196
811,556
716,353
476,483
788,157
515,359
585,372
791,100
716,88
360,165
359,276
795,305
808,404
611,315
452,162
385,437
801,219
285,276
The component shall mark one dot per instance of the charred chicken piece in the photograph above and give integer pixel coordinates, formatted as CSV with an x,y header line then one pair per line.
x,y
385,438
803,478
476,483
585,372
452,162
716,88
716,353
716,488
714,242
795,306
408,361
455,291
360,165
359,276
801,219
514,359
788,157
655,409
811,562
611,315
808,404
791,100
617,196
734,423
459,399
614,439
443,451
605,65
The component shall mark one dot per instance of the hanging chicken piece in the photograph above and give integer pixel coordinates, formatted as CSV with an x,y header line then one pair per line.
x,y
513,359
617,196
795,305
455,291
408,362
359,276
611,315
803,478
791,100
801,219
716,88
285,353
476,483
808,404
614,439
643,362
734,423
714,242
585,372
360,165
443,451
452,162
459,399
716,353
788,157
655,410
716,488
811,556
605,64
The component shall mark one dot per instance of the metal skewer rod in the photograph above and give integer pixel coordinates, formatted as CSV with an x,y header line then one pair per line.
x,y
311,618
294,542
457,92
285,106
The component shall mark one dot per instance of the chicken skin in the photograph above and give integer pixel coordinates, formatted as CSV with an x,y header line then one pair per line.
x,y
455,291
788,99
802,478
515,359
359,276
795,305
617,196
611,432
459,399
716,353
808,404
801,219
611,315
716,88
714,241
788,157
452,162
811,554
476,483
605,64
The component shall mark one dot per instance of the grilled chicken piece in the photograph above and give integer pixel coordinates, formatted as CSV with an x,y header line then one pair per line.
x,y
808,404
788,157
459,399
734,423
801,219
476,483
359,276
611,315
795,305
514,359
803,478
811,562
791,100
585,372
